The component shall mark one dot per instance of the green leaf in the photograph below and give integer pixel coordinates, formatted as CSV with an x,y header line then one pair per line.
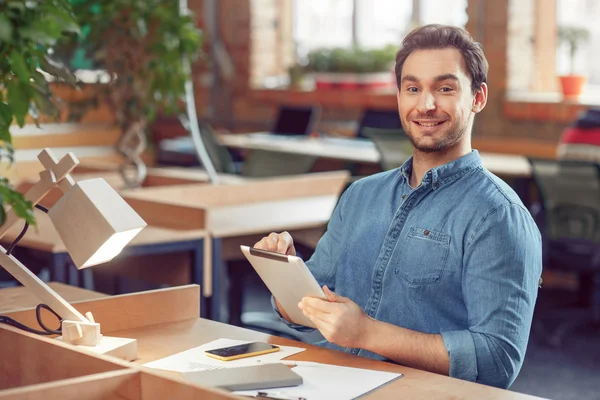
x,y
5,115
5,135
6,29
22,207
18,99
19,65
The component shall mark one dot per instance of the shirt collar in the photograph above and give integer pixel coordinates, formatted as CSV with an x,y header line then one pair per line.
x,y
447,172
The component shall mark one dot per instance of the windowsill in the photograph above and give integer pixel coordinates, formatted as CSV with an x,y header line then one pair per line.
x,y
547,107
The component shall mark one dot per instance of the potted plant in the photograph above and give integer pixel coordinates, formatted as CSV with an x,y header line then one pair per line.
x,y
352,68
572,83
145,47
28,31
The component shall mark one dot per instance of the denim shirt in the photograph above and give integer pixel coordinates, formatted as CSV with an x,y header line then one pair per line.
x,y
459,256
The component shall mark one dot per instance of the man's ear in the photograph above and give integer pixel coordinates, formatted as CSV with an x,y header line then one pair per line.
x,y
480,99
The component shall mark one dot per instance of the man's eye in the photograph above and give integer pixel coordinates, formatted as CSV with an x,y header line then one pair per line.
x,y
412,89
446,89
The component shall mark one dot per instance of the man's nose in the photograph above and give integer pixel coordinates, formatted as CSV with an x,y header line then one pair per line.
x,y
426,103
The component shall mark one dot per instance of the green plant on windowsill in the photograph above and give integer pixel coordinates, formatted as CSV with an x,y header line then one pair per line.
x,y
351,60
28,31
573,37
145,47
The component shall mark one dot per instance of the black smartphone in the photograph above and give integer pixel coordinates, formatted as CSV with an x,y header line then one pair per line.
x,y
241,351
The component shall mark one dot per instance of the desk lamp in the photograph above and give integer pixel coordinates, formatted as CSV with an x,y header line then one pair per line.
x,y
94,223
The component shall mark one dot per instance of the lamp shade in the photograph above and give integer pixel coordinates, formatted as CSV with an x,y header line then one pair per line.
x,y
94,222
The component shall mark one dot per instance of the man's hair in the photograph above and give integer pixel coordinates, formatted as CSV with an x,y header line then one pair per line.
x,y
436,36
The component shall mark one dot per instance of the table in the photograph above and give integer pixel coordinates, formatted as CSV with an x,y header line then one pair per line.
x,y
15,298
165,322
242,213
153,239
357,150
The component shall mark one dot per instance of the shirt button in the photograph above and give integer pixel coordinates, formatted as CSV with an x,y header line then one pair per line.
x,y
437,184
396,271
403,197
426,232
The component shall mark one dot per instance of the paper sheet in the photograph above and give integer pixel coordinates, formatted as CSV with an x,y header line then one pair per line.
x,y
195,359
324,381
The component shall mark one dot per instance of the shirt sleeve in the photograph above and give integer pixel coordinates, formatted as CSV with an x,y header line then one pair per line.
x,y
502,265
323,263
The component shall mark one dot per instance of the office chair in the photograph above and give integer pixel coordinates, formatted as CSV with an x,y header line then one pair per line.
x,y
393,146
383,119
569,219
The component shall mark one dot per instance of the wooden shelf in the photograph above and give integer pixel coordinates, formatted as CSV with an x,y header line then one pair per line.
x,y
375,99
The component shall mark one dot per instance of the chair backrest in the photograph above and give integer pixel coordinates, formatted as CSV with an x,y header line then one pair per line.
x,y
219,155
295,120
393,146
264,163
570,192
383,119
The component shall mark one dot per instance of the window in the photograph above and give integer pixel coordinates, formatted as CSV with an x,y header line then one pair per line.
x,y
583,14
367,23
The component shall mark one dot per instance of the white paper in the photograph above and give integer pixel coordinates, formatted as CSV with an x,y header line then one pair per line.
x,y
324,381
195,359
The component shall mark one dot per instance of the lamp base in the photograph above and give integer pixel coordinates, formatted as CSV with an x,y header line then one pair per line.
x,y
123,348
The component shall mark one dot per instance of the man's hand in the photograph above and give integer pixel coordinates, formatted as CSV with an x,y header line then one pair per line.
x,y
340,320
277,242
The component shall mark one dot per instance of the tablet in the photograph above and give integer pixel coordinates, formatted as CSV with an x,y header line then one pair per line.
x,y
288,279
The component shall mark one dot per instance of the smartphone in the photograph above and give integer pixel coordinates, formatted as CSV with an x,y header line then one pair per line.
x,y
241,351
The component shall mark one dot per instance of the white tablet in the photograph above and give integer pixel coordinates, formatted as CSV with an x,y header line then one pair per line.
x,y
288,279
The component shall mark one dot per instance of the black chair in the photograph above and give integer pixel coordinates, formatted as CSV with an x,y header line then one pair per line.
x,y
383,119
569,219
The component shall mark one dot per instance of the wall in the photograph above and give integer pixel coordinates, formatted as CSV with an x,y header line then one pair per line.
x,y
253,31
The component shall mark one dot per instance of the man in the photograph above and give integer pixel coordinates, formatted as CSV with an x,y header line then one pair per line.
x,y
434,265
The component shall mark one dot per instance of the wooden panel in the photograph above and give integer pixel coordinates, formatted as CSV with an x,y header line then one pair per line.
x,y
129,311
27,359
16,298
272,189
171,216
155,387
117,385
64,135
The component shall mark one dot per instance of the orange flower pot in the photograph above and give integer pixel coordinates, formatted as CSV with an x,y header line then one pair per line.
x,y
572,85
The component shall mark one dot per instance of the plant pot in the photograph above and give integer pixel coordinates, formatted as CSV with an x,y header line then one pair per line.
x,y
571,86
352,81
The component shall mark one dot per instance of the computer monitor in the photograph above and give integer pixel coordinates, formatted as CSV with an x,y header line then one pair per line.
x,y
295,120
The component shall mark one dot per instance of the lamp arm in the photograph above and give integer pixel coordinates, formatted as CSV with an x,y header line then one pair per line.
x,y
44,292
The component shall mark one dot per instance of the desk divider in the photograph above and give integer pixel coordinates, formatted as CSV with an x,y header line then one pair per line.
x,y
36,367
134,310
252,191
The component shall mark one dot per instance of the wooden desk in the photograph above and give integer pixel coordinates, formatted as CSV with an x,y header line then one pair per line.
x,y
16,298
166,322
357,150
151,240
243,213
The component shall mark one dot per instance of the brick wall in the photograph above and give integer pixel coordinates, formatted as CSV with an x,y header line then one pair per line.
x,y
255,35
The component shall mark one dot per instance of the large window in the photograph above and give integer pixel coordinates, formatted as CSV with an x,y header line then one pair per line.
x,y
368,23
582,14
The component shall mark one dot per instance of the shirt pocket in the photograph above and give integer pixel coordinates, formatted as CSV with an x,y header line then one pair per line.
x,y
424,256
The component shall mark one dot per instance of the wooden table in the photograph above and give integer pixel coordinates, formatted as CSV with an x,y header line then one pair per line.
x,y
243,213
357,150
16,298
178,235
166,322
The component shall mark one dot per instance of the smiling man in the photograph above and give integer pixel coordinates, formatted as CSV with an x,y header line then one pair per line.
x,y
434,265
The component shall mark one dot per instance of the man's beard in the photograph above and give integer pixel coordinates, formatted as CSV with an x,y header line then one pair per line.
x,y
444,141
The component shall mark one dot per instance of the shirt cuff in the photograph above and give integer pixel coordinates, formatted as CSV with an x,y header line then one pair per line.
x,y
299,328
461,350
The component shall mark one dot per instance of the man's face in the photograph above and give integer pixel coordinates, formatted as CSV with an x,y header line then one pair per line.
x,y
435,100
